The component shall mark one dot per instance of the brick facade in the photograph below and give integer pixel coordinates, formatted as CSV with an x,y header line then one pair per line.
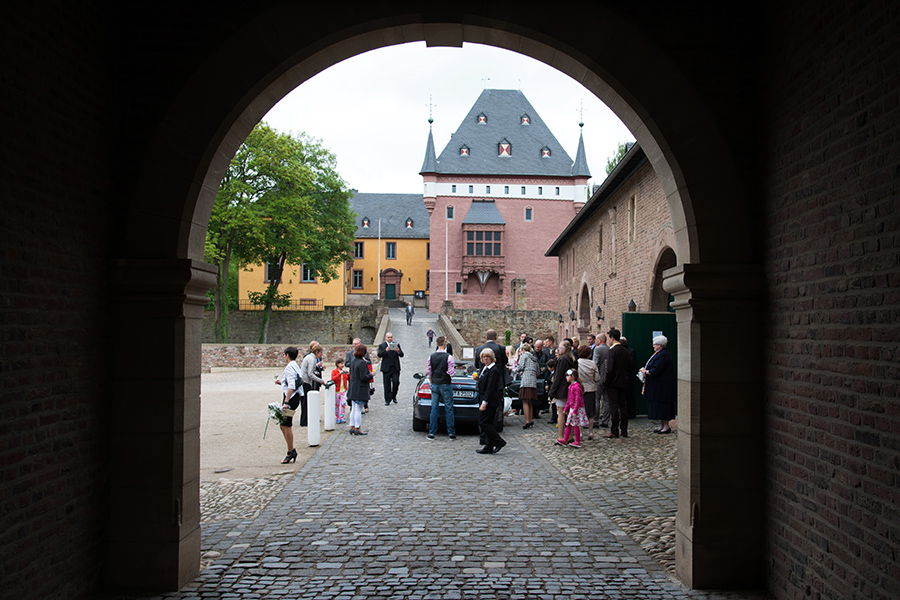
x,y
833,271
472,323
615,255
55,227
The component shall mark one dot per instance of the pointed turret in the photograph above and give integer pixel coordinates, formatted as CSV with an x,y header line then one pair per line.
x,y
580,166
428,172
430,164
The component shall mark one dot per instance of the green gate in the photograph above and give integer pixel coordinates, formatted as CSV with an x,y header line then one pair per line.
x,y
640,329
390,291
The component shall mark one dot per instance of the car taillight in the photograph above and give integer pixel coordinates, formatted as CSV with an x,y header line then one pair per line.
x,y
424,391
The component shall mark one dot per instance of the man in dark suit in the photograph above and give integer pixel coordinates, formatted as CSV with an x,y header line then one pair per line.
x,y
618,366
500,358
390,354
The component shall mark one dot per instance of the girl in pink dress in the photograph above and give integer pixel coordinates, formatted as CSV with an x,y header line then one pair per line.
x,y
576,417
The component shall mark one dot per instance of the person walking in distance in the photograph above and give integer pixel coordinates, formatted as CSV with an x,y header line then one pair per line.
x,y
618,365
439,369
410,311
390,353
430,335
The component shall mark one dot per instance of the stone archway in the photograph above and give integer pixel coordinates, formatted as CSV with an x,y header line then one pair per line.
x,y
282,46
659,298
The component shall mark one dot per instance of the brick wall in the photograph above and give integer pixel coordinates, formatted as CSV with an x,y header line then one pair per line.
x,y
334,325
833,267
472,323
54,316
626,273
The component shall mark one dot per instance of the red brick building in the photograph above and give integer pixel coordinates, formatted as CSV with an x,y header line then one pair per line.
x,y
614,251
501,189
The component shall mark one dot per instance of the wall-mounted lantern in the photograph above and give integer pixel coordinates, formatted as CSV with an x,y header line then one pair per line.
x,y
599,312
572,315
632,306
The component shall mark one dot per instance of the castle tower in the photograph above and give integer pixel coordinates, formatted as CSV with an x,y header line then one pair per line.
x,y
499,193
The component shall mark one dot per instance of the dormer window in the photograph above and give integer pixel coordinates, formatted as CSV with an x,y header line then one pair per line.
x,y
464,151
366,222
526,120
545,152
482,119
409,223
504,148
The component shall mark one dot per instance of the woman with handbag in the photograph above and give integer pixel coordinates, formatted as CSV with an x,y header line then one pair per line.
x,y
291,386
358,390
309,376
527,365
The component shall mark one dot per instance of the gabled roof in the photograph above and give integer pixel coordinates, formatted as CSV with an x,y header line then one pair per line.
x,y
634,158
393,210
503,112
483,212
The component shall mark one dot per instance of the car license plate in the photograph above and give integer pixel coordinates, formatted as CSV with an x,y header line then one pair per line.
x,y
464,394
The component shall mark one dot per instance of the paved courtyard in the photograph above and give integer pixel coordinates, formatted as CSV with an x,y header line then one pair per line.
x,y
393,515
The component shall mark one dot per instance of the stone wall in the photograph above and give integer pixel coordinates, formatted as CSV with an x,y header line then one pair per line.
x,y
259,356
833,270
334,325
472,323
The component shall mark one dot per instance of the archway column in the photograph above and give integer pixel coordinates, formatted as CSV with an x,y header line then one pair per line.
x,y
719,525
154,417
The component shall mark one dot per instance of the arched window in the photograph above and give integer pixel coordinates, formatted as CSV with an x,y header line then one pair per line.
x,y
529,213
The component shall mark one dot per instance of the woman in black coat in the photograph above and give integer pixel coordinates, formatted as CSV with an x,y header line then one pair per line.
x,y
358,389
490,391
660,385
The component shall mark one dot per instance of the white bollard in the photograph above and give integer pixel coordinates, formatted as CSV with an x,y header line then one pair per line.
x,y
313,435
329,416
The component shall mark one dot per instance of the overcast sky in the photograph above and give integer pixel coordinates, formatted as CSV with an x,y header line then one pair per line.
x,y
372,110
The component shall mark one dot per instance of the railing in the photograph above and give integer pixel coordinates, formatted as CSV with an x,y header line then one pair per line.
x,y
312,304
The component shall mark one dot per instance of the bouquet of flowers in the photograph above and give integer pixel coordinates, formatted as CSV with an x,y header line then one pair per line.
x,y
277,414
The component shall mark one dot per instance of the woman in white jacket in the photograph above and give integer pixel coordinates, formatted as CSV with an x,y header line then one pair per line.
x,y
308,376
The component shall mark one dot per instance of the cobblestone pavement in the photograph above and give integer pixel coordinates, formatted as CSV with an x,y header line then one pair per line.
x,y
393,515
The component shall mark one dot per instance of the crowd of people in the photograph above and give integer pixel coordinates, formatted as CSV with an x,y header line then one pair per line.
x,y
579,386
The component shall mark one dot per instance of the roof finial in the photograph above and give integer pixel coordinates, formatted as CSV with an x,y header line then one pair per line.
x,y
430,106
581,111
484,81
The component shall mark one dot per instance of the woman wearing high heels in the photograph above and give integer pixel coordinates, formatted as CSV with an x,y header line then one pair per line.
x,y
291,385
358,391
527,365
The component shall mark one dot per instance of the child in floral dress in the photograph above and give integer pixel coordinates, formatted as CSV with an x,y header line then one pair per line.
x,y
341,378
576,417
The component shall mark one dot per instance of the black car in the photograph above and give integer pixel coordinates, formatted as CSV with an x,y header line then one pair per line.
x,y
465,402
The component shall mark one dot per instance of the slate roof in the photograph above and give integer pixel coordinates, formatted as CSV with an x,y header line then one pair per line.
x,y
580,168
393,210
503,111
484,212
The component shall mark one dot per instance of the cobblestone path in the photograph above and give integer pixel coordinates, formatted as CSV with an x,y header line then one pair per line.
x,y
393,515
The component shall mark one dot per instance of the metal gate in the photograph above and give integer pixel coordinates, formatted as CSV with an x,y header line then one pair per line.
x,y
640,329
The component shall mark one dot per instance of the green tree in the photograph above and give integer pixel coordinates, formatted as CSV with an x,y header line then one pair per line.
x,y
281,202
615,158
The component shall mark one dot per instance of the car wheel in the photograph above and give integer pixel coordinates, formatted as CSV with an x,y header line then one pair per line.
x,y
419,424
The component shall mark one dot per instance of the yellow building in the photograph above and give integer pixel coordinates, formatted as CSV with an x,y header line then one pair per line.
x,y
390,266
391,251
